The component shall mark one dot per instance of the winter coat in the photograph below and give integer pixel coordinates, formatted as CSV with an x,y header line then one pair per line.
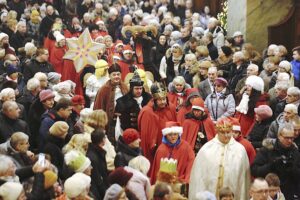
x,y
279,108
220,106
34,66
170,71
125,153
9,126
99,182
285,162
218,37
258,132
236,75
273,129
26,100
18,40
213,51
224,67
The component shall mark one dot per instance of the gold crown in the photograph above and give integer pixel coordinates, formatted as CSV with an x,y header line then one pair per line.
x,y
168,165
224,126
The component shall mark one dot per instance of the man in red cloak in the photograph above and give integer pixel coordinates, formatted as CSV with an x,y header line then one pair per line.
x,y
174,147
198,127
58,51
152,119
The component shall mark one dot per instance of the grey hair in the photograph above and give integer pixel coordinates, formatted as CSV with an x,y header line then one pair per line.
x,y
282,86
295,91
5,92
285,126
4,160
240,55
283,76
179,79
17,137
190,56
291,107
254,66
140,163
212,69
33,83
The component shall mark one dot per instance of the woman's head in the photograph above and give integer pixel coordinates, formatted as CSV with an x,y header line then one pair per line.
x,y
97,119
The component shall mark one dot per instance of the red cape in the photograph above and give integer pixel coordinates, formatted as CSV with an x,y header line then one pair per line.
x,y
249,148
69,73
184,155
125,68
191,129
56,58
150,123
173,98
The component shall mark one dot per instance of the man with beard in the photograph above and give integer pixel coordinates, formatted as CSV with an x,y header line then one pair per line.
x,y
108,94
129,106
152,119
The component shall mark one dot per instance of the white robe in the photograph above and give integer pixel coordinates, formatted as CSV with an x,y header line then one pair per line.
x,y
206,169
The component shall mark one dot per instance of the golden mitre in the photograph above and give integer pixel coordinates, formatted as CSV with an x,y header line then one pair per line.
x,y
168,165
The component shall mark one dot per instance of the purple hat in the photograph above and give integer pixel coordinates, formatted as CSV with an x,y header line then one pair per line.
x,y
221,81
46,94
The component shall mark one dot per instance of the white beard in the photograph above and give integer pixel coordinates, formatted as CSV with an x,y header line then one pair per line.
x,y
243,106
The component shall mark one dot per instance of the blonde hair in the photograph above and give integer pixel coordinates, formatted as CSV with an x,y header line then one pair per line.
x,y
97,119
202,51
77,142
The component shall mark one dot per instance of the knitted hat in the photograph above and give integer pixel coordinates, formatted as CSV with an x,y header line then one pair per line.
x,y
54,77
255,82
127,49
172,127
136,80
3,35
11,190
221,81
263,111
76,184
50,179
76,161
120,176
236,126
198,104
46,94
78,100
113,192
114,68
59,128
10,69
226,50
101,64
29,46
130,135
286,65
237,33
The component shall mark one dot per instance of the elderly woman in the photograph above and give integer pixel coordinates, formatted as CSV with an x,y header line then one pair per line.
x,y
191,67
173,146
202,73
283,67
220,103
177,91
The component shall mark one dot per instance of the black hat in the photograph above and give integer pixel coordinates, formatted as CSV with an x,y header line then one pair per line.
x,y
158,90
136,80
226,50
114,68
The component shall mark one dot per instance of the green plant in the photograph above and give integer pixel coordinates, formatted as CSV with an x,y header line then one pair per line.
x,y
222,16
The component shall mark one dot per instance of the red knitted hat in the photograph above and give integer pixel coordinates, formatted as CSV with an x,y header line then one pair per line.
x,y
78,100
46,94
130,135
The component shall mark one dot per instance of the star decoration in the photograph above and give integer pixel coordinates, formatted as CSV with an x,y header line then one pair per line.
x,y
83,50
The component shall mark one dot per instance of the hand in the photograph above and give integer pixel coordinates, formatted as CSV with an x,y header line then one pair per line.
x,y
30,155
37,167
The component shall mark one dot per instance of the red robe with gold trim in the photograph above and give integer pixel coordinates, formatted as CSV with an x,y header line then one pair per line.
x,y
150,124
184,155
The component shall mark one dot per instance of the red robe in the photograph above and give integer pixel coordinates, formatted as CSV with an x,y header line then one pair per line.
x,y
174,98
56,58
150,124
125,67
191,129
246,120
49,44
184,155
69,73
249,148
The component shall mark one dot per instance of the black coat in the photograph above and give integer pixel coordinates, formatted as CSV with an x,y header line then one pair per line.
x,y
285,162
279,108
236,75
9,126
258,133
99,182
213,51
125,153
34,66
18,40
129,109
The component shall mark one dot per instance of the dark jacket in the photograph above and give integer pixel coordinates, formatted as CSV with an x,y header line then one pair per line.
x,y
236,75
18,40
279,108
213,51
53,147
26,100
258,133
285,162
9,126
125,153
99,182
46,25
34,66
129,109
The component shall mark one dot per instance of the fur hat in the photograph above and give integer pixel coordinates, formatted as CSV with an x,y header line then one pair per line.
x,y
237,33
172,127
263,111
2,36
76,184
59,128
77,161
221,81
120,176
130,135
114,68
78,100
46,94
255,82
113,192
198,104
50,179
11,190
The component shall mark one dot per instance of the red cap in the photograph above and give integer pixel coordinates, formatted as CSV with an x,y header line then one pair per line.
x,y
127,49
172,127
130,135
78,100
198,104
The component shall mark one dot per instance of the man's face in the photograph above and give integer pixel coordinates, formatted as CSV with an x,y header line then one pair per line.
x,y
115,77
291,98
137,91
22,146
286,138
45,56
65,113
212,75
288,114
161,102
162,40
172,137
260,193
238,39
197,113
179,87
224,136
48,104
273,190
14,112
50,10
78,107
296,55
128,56
22,28
251,71
280,93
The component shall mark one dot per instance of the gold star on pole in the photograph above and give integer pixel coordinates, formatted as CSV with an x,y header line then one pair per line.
x,y
83,50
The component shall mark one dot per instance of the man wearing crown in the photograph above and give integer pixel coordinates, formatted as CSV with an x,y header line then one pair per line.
x,y
152,119
221,162
173,147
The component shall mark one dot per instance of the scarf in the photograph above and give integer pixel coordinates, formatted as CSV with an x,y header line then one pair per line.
x,y
166,141
243,106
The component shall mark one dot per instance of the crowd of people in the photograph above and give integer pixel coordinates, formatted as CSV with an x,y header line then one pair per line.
x,y
173,108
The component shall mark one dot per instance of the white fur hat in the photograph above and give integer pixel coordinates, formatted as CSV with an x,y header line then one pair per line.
x,y
3,35
255,82
77,184
10,190
29,46
172,127
237,33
